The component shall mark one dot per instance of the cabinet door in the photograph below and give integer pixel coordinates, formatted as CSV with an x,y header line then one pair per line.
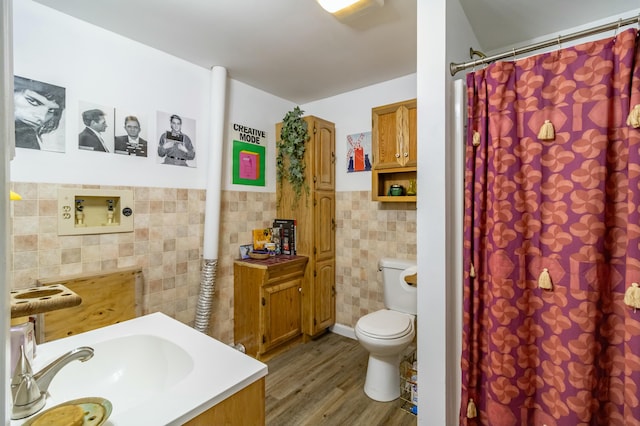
x,y
324,213
394,136
324,154
324,296
247,283
410,136
282,304
384,141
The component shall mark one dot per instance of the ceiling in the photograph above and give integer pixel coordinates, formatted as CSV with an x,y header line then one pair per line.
x,y
500,23
295,50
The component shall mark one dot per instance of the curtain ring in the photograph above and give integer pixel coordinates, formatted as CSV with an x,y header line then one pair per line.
x,y
615,34
514,53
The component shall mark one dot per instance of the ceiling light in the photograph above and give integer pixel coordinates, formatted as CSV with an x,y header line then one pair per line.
x,y
342,8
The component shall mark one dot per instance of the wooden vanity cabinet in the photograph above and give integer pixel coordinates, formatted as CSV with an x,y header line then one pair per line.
x,y
316,225
394,144
244,408
267,301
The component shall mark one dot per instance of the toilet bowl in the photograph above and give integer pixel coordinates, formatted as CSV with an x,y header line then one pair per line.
x,y
385,334
388,332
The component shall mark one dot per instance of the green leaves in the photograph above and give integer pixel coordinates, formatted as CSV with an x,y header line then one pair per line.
x,y
290,165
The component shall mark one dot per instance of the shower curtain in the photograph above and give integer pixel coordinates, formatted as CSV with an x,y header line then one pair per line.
x,y
552,239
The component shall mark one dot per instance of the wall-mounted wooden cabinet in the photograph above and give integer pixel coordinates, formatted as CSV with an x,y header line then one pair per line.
x,y
267,300
316,225
394,148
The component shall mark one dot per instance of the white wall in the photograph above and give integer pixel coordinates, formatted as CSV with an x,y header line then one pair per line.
x,y
6,140
104,68
97,65
351,113
259,110
432,221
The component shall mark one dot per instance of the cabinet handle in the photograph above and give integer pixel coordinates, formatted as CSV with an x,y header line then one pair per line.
x,y
406,154
299,289
397,155
333,224
333,158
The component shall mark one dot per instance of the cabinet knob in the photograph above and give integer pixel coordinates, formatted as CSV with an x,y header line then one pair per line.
x,y
397,155
299,289
406,154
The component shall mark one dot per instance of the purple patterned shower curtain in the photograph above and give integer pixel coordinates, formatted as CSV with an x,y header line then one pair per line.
x,y
568,208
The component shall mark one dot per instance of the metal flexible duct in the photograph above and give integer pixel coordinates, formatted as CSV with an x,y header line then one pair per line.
x,y
205,298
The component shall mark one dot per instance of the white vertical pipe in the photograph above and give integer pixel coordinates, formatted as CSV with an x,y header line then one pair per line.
x,y
212,203
214,173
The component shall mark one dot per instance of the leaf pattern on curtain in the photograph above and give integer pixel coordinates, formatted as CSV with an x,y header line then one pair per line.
x,y
570,355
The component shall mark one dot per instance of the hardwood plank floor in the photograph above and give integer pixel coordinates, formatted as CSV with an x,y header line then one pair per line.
x,y
321,383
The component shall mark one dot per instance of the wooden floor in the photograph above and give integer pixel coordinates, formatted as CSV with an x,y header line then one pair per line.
x,y
321,383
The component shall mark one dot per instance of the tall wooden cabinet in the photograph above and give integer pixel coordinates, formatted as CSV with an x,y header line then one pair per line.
x,y
394,143
316,226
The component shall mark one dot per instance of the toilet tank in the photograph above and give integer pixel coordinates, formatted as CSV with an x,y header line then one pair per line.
x,y
398,295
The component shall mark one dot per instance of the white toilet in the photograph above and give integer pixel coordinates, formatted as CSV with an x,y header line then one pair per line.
x,y
387,333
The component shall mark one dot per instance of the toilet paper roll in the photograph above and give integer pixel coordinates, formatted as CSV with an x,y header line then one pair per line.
x,y
410,275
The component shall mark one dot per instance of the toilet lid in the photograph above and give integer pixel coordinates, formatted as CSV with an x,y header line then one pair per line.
x,y
386,324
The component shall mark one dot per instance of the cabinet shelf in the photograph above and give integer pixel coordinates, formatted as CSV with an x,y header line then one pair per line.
x,y
382,180
397,199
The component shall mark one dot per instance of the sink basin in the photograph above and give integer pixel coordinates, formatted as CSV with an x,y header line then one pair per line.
x,y
153,369
128,371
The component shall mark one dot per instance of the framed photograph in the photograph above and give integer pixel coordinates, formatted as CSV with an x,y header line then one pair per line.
x,y
245,250
176,140
39,113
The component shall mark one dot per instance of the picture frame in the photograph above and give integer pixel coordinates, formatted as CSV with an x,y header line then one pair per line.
x,y
245,249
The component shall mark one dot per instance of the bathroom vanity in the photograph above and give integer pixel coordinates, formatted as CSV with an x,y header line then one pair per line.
x,y
155,370
267,300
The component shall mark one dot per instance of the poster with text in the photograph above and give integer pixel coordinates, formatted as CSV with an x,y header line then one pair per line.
x,y
249,155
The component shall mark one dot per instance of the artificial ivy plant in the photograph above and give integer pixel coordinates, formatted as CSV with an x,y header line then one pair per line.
x,y
290,165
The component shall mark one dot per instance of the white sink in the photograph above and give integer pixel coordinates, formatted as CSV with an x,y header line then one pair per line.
x,y
153,369
127,371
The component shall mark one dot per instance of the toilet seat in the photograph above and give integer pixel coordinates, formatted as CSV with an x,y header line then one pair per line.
x,y
385,324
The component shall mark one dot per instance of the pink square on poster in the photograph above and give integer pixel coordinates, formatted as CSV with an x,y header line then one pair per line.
x,y
249,165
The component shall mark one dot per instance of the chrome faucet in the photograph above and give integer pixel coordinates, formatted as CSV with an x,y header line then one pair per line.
x,y
29,391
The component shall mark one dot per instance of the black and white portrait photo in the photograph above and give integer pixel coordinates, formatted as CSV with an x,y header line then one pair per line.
x,y
131,134
39,115
96,128
176,145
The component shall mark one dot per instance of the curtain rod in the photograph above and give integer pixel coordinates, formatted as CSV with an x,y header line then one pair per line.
x,y
454,68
